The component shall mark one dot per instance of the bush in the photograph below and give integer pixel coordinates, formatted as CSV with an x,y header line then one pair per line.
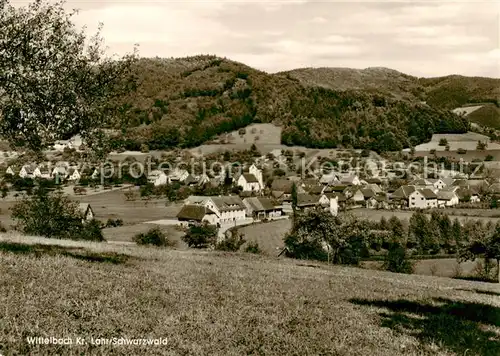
x,y
154,237
90,231
461,151
443,142
2,228
397,260
489,158
51,215
231,243
253,247
200,236
114,223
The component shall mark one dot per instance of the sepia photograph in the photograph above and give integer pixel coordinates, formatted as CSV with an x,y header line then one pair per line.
x,y
250,177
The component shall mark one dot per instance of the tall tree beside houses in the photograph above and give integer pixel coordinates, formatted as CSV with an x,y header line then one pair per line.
x,y
60,85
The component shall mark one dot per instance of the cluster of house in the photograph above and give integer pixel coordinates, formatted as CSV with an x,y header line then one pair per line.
x,y
64,172
352,191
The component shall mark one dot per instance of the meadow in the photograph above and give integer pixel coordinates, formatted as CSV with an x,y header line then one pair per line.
x,y
209,303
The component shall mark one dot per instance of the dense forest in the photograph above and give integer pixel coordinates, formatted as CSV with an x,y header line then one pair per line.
x,y
189,101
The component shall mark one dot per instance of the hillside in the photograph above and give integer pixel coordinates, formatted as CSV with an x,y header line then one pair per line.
x,y
446,92
208,303
488,115
188,101
377,80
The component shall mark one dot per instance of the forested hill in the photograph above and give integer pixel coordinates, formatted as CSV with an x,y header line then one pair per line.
x,y
186,102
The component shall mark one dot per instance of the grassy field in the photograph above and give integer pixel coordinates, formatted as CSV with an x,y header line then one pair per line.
x,y
208,303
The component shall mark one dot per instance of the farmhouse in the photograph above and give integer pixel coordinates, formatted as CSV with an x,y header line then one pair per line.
x,y
73,174
306,201
447,198
60,171
86,211
261,208
227,208
401,196
157,177
423,199
190,180
198,214
41,172
26,172
249,183
203,179
282,188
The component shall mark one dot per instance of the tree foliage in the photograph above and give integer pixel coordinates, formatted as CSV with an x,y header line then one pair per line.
x,y
53,215
56,82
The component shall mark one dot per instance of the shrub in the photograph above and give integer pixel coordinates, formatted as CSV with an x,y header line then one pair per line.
x,y
443,142
90,231
489,158
231,243
2,228
50,215
253,247
114,223
241,132
461,151
397,260
200,236
154,237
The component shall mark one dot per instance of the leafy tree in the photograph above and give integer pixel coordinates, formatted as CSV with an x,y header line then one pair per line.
x,y
421,234
201,236
53,215
61,83
232,242
488,247
253,247
456,232
397,260
321,236
154,236
481,146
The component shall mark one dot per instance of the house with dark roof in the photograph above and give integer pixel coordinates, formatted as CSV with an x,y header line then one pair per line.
x,y
262,208
282,188
400,198
447,198
422,199
249,182
466,195
197,214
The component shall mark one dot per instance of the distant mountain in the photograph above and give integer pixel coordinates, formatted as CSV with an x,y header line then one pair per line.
x,y
188,101
376,79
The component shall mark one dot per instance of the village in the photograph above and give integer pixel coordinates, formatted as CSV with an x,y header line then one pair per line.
x,y
261,189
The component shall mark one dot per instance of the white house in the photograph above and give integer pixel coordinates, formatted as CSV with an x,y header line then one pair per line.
x,y
258,174
41,172
60,171
10,171
74,175
447,198
438,183
87,212
248,182
228,209
26,172
158,177
423,199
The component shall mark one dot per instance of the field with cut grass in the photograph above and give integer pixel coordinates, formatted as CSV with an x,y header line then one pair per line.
x,y
208,303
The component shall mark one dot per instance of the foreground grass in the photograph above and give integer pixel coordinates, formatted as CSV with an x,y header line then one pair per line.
x,y
209,303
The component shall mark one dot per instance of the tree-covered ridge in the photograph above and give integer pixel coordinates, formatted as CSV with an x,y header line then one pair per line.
x,y
188,101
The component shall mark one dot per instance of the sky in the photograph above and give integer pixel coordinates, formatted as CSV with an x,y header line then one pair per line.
x,y
428,38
